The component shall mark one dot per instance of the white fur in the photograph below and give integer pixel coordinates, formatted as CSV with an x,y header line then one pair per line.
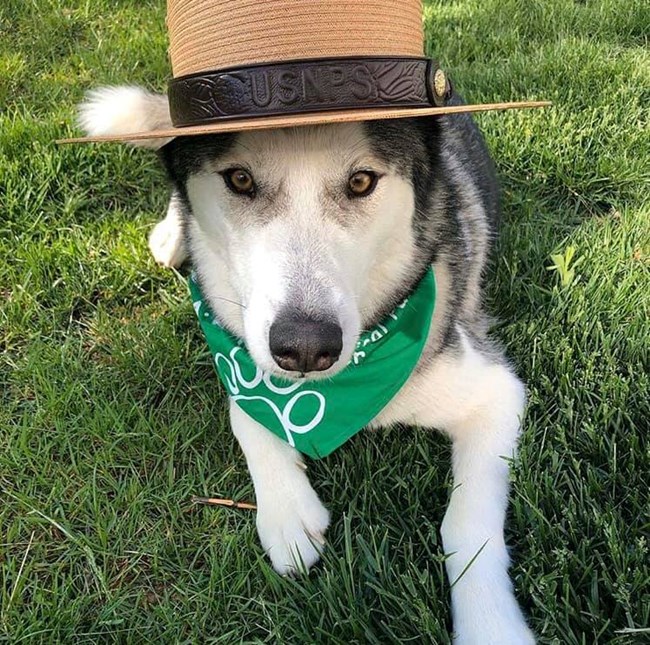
x,y
346,261
125,110
166,241
291,520
478,403
338,259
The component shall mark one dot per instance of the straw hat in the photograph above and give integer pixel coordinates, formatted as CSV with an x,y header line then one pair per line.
x,y
254,64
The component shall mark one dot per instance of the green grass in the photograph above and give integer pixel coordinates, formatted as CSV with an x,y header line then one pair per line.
x,y
111,417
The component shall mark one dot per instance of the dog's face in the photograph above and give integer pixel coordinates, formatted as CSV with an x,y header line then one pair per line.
x,y
308,229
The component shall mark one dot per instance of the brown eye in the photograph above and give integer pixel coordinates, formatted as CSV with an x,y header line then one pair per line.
x,y
240,181
362,183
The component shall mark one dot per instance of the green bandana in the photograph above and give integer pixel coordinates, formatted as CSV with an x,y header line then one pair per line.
x,y
316,417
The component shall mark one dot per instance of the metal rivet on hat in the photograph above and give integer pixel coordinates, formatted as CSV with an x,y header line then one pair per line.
x,y
440,84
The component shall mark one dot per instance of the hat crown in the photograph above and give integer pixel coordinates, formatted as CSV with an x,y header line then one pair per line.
x,y
208,35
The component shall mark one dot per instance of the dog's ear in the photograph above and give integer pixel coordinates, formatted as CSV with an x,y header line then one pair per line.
x,y
123,110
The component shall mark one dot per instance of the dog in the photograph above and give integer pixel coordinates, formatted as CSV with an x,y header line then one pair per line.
x,y
339,222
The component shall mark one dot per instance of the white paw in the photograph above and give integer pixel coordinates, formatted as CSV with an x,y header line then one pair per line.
x,y
509,635
291,526
489,618
167,244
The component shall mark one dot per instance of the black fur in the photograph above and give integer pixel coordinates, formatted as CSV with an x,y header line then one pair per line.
x,y
419,149
186,155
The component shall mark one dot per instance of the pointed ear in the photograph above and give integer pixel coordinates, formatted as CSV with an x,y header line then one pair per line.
x,y
124,110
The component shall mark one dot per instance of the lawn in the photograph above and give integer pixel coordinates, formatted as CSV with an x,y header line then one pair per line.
x,y
111,417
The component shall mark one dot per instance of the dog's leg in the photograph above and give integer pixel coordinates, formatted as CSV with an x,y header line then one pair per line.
x,y
291,520
166,240
478,402
483,604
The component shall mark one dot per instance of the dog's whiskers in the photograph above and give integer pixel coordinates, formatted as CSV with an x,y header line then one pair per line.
x,y
232,302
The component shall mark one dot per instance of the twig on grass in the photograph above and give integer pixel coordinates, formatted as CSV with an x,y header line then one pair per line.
x,y
231,503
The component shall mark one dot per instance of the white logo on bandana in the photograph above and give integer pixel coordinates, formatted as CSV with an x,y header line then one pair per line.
x,y
236,382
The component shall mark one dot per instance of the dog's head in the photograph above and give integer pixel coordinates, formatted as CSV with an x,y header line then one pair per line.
x,y
303,237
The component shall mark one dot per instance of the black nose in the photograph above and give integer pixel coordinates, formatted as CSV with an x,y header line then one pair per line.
x,y
302,344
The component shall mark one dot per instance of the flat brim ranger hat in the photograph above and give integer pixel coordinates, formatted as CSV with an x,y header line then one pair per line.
x,y
258,64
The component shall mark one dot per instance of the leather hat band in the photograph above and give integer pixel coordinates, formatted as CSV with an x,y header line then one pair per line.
x,y
307,86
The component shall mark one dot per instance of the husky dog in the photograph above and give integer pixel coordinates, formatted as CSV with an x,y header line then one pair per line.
x,y
338,223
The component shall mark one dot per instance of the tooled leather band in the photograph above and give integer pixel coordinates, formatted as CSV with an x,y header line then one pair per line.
x,y
307,86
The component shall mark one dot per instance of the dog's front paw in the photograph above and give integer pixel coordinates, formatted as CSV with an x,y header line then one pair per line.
x,y
507,635
291,524
166,242
486,618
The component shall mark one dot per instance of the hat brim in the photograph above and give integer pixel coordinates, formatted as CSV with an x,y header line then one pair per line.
x,y
297,120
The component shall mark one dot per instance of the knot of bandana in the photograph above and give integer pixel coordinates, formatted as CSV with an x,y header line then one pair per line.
x,y
318,416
